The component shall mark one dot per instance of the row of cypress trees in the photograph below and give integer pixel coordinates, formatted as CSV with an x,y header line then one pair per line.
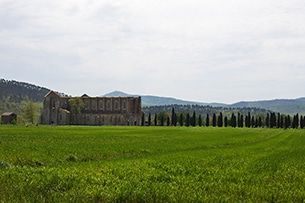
x,y
270,120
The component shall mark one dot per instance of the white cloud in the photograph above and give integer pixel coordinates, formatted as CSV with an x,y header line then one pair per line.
x,y
195,50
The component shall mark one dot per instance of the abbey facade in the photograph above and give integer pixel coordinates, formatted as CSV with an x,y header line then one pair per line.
x,y
95,111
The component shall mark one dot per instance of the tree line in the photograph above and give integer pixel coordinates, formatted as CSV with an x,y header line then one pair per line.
x,y
268,120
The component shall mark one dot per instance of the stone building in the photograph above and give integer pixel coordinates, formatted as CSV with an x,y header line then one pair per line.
x,y
8,118
96,111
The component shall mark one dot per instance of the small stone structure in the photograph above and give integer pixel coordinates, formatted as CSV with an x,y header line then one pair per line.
x,y
96,111
8,118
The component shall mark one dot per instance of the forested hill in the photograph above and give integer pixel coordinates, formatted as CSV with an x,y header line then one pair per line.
x,y
14,91
15,95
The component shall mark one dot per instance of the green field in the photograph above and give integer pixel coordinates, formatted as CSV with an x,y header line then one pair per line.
x,y
151,164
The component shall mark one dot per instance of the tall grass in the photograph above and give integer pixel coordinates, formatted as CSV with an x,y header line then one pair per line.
x,y
151,164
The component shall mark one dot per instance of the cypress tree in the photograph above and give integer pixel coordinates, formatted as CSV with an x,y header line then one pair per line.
x,y
187,122
288,122
241,121
282,121
253,122
297,120
199,121
238,120
233,120
162,120
194,119
149,119
174,117
207,121
278,124
272,120
181,119
260,122
267,120
226,121
248,118
143,119
214,120
156,120
303,122
168,121
220,120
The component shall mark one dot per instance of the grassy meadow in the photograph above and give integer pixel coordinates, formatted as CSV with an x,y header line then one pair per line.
x,y
151,164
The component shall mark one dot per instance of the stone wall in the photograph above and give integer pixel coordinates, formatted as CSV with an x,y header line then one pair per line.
x,y
96,111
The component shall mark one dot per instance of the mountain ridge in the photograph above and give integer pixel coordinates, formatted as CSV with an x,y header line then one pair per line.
x,y
286,106
12,91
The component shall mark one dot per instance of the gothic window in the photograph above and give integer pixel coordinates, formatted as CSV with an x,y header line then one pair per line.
x,y
108,105
116,105
101,105
93,105
124,105
86,105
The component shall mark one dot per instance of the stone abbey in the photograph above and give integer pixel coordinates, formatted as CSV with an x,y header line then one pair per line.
x,y
96,110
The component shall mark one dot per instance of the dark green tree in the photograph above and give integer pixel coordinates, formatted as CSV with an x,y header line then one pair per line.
x,y
220,120
278,125
214,120
193,120
267,120
181,119
156,120
282,121
188,119
253,122
241,121
238,120
199,121
260,122
226,121
272,120
295,121
233,120
287,122
168,121
143,119
248,120
207,121
174,117
149,119
302,122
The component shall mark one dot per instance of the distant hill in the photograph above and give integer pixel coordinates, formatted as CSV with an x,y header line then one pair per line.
x,y
14,94
154,100
16,91
285,106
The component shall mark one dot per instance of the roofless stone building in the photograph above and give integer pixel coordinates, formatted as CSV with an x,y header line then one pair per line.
x,y
95,111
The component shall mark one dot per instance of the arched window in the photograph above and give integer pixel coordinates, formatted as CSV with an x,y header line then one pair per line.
x,y
116,105
124,104
108,105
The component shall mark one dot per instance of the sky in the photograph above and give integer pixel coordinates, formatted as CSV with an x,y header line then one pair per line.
x,y
197,50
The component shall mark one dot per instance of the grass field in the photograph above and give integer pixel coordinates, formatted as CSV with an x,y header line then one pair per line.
x,y
151,164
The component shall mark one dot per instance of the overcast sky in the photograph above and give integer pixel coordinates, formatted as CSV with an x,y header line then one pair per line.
x,y
200,50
